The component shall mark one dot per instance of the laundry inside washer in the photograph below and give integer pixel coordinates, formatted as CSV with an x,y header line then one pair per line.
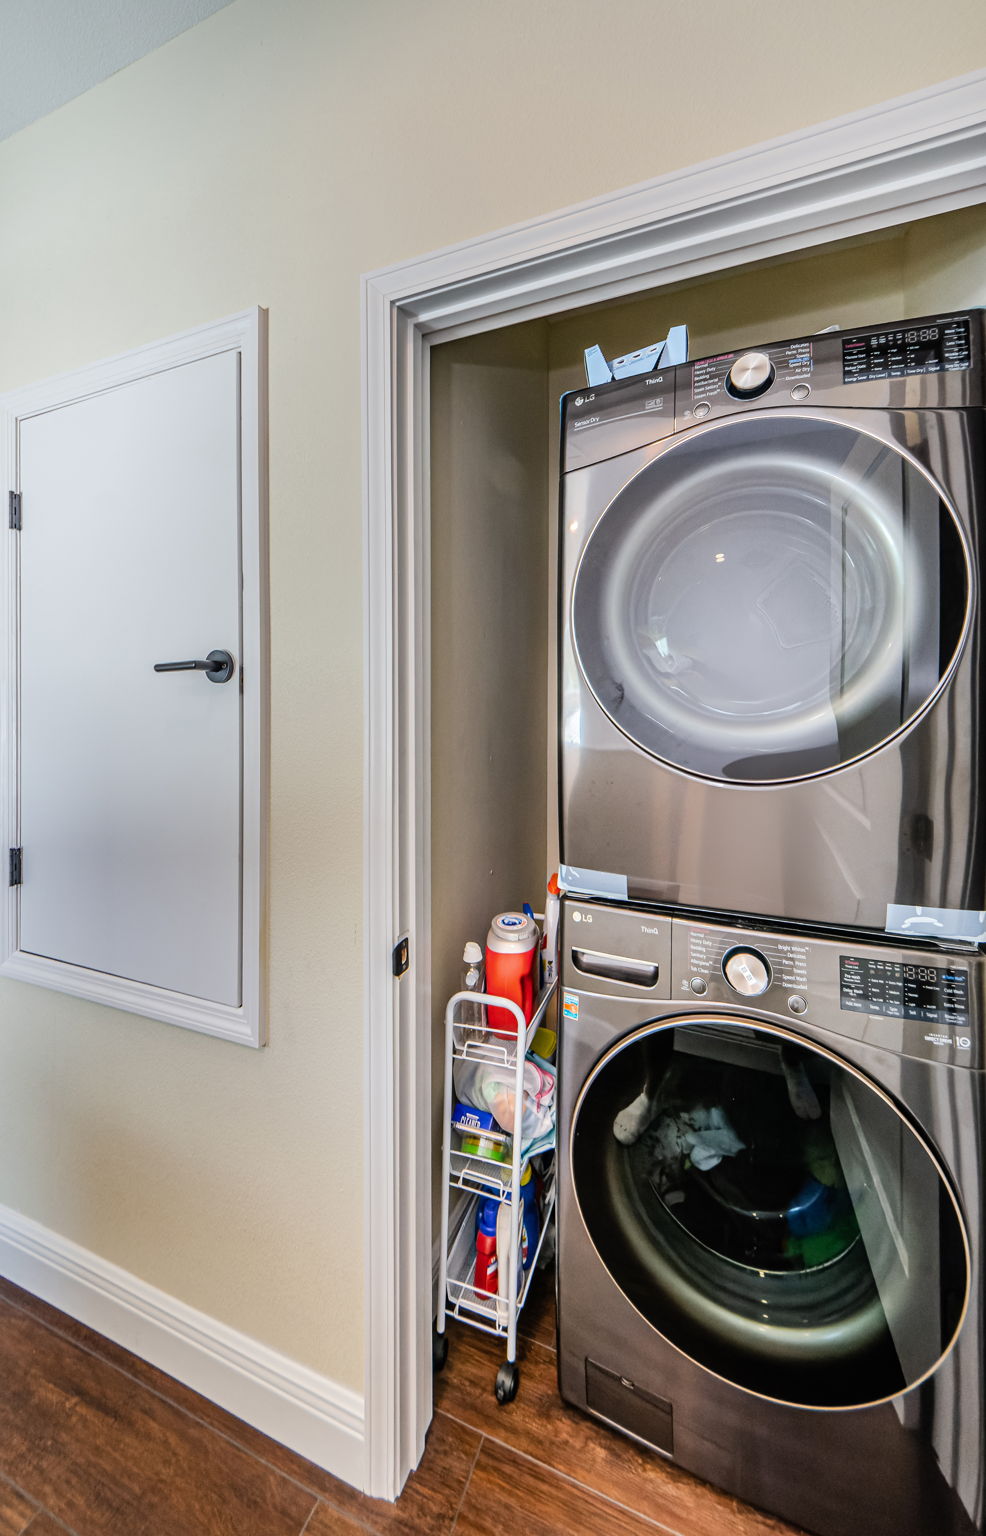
x,y
779,1264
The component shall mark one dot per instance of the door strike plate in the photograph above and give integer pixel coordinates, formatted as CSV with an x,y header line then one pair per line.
x,y
402,955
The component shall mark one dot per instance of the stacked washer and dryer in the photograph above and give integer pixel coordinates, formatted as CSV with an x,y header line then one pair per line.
x,y
772,1116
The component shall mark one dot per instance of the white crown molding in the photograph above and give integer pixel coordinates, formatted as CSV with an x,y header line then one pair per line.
x,y
900,160
295,1405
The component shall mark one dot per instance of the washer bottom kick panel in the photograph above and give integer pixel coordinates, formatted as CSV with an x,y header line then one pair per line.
x,y
863,1472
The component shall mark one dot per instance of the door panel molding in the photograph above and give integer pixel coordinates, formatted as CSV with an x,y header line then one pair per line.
x,y
244,334
917,155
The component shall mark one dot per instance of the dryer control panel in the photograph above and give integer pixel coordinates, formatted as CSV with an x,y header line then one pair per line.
x,y
930,362
714,379
941,346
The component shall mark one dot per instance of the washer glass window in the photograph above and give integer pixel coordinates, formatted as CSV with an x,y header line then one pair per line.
x,y
770,1212
770,598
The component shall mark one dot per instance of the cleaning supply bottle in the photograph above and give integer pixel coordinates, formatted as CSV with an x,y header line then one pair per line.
x,y
549,944
529,1233
512,960
486,1256
530,1217
471,1018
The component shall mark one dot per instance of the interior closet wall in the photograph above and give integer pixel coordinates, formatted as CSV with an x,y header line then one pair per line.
x,y
489,635
945,262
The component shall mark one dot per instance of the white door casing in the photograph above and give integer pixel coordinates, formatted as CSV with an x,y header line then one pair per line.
x,y
139,797
910,158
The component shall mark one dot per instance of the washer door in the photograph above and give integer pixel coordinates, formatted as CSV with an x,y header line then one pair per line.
x,y
770,598
770,1212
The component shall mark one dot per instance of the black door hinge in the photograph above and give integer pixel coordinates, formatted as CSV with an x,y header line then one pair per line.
x,y
15,510
16,865
402,955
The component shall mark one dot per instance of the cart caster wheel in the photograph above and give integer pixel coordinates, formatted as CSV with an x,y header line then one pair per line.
x,y
507,1382
439,1350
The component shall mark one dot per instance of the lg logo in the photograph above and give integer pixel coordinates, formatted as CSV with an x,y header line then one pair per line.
x,y
581,917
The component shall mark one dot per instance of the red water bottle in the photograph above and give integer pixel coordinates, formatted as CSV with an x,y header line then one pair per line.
x,y
513,947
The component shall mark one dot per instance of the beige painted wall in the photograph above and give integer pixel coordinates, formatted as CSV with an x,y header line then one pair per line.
x,y
945,262
269,156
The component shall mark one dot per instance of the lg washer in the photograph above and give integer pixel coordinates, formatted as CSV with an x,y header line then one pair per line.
x,y
770,1212
772,635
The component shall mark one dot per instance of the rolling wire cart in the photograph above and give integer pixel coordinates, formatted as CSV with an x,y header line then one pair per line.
x,y
480,1177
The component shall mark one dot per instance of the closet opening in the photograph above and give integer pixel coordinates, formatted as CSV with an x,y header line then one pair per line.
x,y
494,467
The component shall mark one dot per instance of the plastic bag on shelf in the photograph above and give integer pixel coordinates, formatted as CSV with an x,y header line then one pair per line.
x,y
492,1086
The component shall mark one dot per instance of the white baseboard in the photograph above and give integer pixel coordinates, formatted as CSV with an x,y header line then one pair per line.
x,y
293,1404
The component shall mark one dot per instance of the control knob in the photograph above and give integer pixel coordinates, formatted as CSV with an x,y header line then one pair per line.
x,y
750,375
746,971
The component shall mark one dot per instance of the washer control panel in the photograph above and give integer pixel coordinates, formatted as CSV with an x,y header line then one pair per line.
x,y
749,964
928,1004
916,1003
746,971
933,994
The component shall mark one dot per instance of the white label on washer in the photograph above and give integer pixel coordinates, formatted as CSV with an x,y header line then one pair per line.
x,y
570,1005
937,923
592,882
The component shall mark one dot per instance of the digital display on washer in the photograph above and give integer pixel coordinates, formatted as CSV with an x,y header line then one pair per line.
x,y
895,354
932,993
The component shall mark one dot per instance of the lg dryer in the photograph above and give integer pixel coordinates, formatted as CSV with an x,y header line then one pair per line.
x,y
771,632
770,1213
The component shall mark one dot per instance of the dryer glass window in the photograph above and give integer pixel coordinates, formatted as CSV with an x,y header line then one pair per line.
x,y
770,1213
770,598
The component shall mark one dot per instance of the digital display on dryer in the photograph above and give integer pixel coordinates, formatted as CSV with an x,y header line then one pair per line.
x,y
930,993
898,354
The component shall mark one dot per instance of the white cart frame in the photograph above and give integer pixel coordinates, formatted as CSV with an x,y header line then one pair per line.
x,y
483,1177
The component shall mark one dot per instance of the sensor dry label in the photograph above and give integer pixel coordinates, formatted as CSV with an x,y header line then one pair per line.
x,y
570,1005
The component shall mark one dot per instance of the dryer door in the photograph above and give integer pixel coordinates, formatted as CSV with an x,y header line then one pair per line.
x,y
771,598
777,1219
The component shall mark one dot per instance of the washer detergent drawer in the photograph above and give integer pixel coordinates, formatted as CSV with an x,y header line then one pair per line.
x,y
616,951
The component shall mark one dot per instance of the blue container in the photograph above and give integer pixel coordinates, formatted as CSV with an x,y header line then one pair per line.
x,y
531,1219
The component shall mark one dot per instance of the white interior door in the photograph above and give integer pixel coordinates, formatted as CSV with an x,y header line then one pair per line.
x,y
130,779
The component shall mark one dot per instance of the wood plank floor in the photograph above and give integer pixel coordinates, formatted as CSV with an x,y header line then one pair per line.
x,y
94,1442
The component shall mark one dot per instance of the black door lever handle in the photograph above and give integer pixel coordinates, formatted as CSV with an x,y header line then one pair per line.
x,y
217,666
